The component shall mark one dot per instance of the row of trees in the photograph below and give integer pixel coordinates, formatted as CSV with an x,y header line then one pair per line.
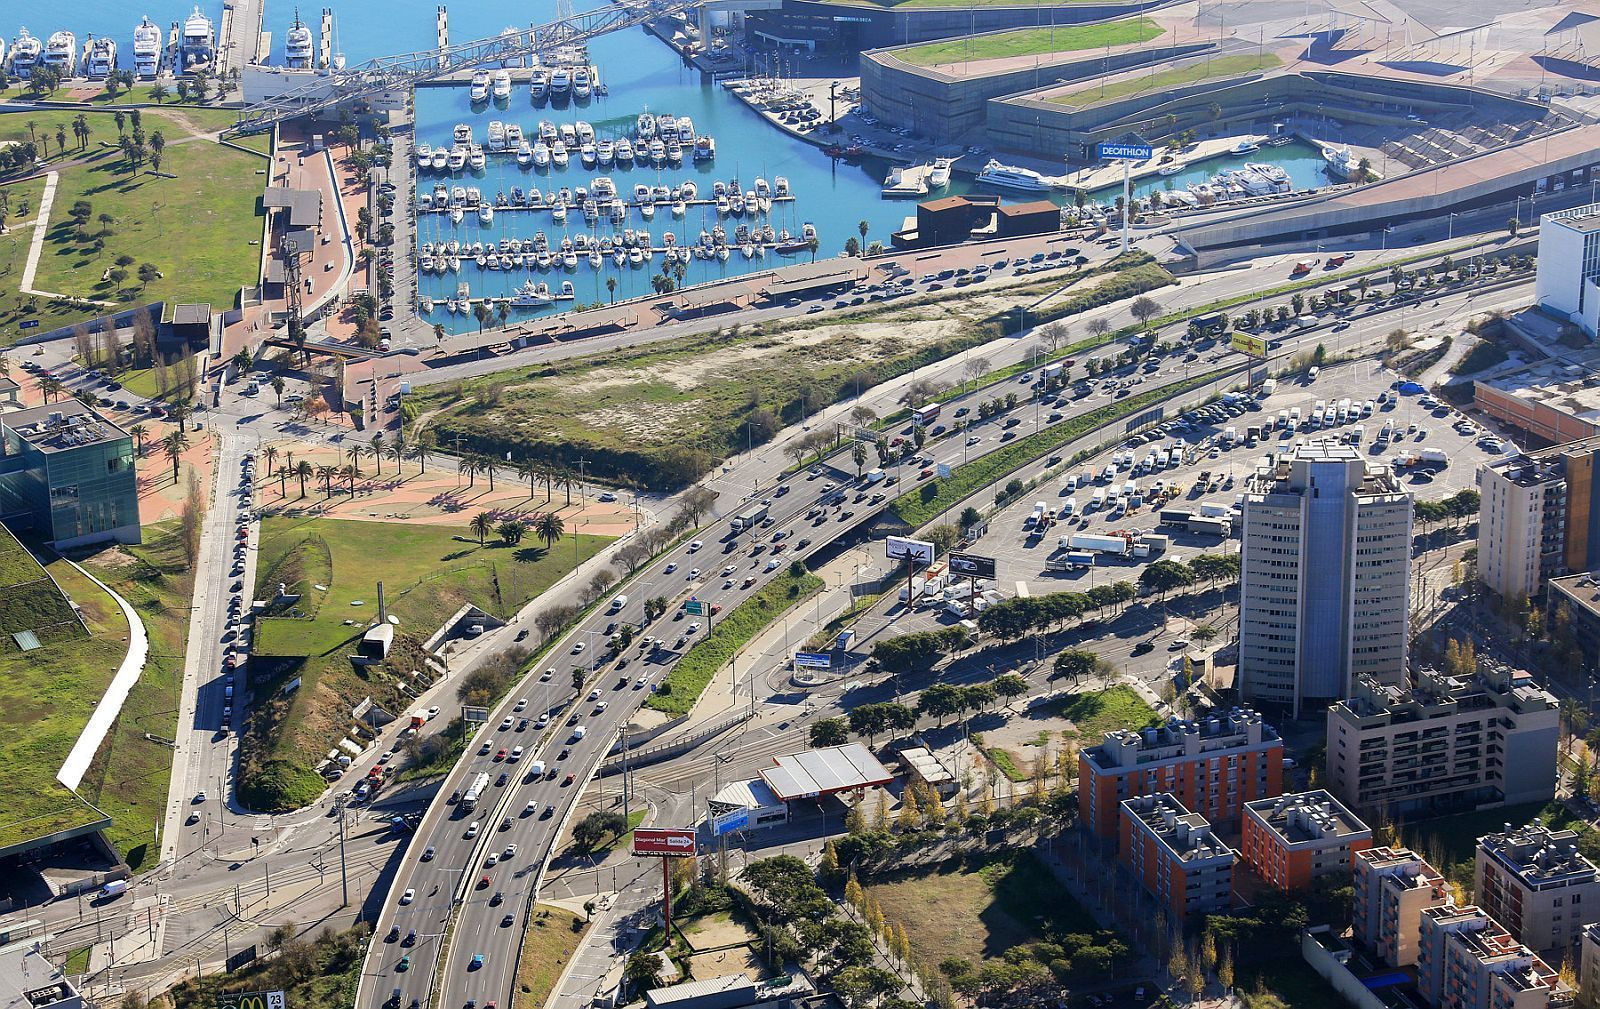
x,y
941,700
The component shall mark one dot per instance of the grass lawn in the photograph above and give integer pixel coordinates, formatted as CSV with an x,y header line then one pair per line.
x,y
1166,80
978,910
196,229
78,961
730,632
49,693
1033,42
130,774
553,935
427,576
1103,711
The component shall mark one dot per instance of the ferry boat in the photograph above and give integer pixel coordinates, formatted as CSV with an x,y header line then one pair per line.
x,y
582,83
198,46
939,174
480,86
25,53
1244,147
61,52
502,84
560,82
1342,162
102,59
297,50
1007,177
540,84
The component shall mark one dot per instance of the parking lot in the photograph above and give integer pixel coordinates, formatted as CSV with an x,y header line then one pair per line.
x,y
1206,468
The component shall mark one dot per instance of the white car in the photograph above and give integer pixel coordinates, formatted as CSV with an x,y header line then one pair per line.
x,y
600,707
516,754
433,713
694,573
472,830
580,646
544,676
696,545
509,853
505,724
492,861
730,569
523,703
407,897
594,694
694,627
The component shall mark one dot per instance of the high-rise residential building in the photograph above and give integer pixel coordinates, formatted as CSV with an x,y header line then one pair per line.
x,y
1589,966
1446,742
1175,854
1467,960
1213,766
1393,886
67,474
1569,266
1295,838
1325,566
1533,881
1539,517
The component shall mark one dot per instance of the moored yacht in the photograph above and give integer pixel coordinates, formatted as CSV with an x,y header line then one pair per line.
x,y
102,59
1007,177
61,52
582,83
502,84
939,174
540,84
297,52
198,45
146,48
480,85
560,82
25,54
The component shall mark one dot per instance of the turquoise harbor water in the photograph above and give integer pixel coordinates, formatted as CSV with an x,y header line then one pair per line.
x,y
639,71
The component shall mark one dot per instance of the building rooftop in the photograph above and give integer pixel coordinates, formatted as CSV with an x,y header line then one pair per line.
x,y
822,772
304,205
1585,219
29,981
1538,856
751,794
1236,727
66,424
1026,209
928,766
1304,817
1186,836
1527,469
1568,388
730,989
1291,474
1581,590
191,315
1435,695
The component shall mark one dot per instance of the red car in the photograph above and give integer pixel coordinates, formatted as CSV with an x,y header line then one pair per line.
x,y
927,472
716,608
483,884
500,755
569,779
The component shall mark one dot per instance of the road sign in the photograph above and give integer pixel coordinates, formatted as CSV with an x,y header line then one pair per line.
x,y
896,547
971,565
1255,346
695,607
813,660
1126,152
943,470
252,1000
727,823
28,324
669,841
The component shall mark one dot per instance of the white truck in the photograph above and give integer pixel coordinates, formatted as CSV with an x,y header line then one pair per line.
x,y
1096,543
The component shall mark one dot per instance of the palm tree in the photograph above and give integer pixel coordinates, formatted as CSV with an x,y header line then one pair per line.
x,y
529,471
438,331
283,479
480,311
302,470
611,288
503,310
488,465
376,451
354,453
863,227
396,452
277,388
139,434
549,528
482,524
270,454
173,445
350,473
569,480
469,465
419,452
326,475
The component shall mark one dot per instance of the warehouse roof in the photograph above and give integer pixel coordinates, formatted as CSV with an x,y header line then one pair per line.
x,y
823,772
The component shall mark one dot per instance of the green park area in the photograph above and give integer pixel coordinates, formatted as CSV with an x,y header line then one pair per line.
x,y
1139,83
995,913
334,566
1102,711
552,937
49,689
1032,42
120,233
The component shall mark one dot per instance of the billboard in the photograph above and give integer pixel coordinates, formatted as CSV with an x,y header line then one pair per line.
x,y
897,547
251,1000
695,607
813,660
1255,346
727,823
670,841
1126,152
971,565
474,715
943,470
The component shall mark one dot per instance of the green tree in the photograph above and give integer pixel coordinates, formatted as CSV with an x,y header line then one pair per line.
x,y
829,732
481,525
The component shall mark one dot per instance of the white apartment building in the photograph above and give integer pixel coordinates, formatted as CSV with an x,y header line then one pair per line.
x,y
1325,567
1569,265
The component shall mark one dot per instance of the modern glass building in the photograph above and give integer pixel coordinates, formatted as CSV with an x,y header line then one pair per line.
x,y
67,474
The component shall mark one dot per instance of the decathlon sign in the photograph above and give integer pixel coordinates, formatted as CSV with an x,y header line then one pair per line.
x,y
1126,152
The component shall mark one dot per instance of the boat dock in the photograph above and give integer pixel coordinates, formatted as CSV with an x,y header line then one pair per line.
x,y
908,182
240,40
577,211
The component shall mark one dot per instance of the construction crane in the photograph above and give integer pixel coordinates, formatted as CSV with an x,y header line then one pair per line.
x,y
338,87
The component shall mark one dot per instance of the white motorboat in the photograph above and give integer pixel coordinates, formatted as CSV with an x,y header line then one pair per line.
x,y
525,154
1007,177
645,126
531,295
486,215
560,82
457,159
497,136
475,158
441,159
61,52
588,155
457,215
424,154
624,150
658,152
146,48
605,152
1244,147
540,84
26,52
938,175
501,86
541,155
462,134
297,46
559,155
582,83
480,86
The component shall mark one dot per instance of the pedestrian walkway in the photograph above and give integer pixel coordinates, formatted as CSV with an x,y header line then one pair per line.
x,y
110,705
41,228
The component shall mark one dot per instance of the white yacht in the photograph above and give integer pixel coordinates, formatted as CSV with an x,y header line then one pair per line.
x,y
558,154
524,154
486,215
540,84
1007,177
146,48
441,158
582,83
25,53
605,152
502,84
198,44
297,44
531,295
475,158
497,136
424,155
624,152
102,59
658,152
456,159
541,155
1244,147
938,175
645,126
1342,161
462,134
480,85
61,52
560,82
